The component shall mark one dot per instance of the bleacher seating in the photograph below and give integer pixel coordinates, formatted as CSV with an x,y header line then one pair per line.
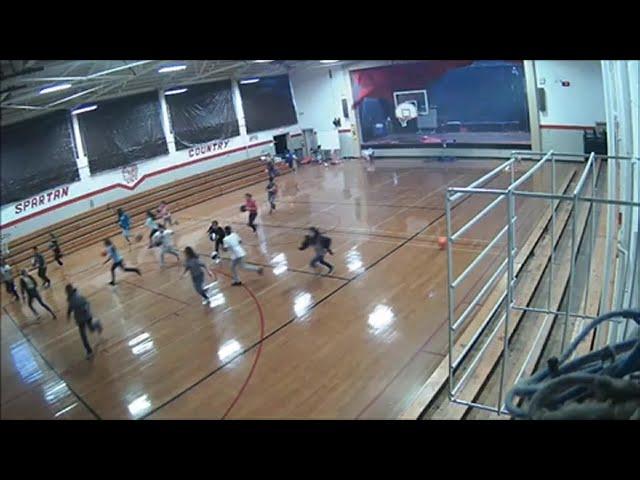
x,y
96,224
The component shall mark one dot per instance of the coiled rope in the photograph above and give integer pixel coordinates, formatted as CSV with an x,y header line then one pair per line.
x,y
604,384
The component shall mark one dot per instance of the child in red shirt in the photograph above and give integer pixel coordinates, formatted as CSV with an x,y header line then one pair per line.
x,y
252,208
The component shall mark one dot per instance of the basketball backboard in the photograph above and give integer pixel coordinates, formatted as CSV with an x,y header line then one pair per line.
x,y
417,97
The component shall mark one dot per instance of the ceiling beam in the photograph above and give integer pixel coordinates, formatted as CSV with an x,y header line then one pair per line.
x,y
123,67
217,71
100,94
71,97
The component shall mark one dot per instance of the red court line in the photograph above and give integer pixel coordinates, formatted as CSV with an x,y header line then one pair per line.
x,y
258,352
130,187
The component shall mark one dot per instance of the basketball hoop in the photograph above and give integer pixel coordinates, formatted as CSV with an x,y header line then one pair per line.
x,y
406,111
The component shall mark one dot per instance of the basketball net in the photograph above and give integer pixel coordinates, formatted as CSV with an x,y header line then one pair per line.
x,y
406,111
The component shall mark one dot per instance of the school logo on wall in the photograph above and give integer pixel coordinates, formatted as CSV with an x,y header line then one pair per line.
x,y
130,173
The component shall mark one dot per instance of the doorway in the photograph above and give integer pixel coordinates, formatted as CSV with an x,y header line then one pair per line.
x,y
280,144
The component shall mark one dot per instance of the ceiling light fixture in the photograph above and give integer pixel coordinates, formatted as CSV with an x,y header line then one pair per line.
x,y
173,68
329,61
175,91
262,61
249,80
55,88
88,108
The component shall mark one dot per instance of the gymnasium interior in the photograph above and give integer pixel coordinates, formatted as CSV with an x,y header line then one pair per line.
x,y
423,240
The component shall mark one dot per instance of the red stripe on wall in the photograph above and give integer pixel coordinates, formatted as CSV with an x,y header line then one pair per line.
x,y
129,187
568,127
296,135
344,130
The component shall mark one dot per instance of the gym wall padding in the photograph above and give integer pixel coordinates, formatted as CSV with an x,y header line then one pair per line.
x,y
37,155
203,113
483,92
123,131
268,104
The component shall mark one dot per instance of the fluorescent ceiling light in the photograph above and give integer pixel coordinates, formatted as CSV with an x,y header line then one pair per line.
x,y
174,68
55,88
329,61
249,80
175,91
83,109
262,61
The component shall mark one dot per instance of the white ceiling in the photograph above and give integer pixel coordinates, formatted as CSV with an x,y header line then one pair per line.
x,y
91,80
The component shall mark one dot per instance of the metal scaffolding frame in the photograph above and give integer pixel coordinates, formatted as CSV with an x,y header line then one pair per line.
x,y
507,300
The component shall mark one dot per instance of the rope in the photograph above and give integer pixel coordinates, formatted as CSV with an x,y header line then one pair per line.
x,y
603,384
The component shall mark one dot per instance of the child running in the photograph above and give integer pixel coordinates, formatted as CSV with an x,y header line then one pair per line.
x,y
29,286
118,262
321,245
272,191
125,224
271,169
55,247
152,224
7,278
216,234
164,238
39,262
232,241
252,207
82,313
164,214
197,269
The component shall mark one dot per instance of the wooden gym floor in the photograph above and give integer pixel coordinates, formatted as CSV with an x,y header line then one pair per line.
x,y
290,344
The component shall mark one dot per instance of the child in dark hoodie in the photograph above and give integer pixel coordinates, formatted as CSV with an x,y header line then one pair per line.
x,y
82,313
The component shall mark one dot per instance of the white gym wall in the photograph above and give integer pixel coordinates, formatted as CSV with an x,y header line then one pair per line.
x,y
572,108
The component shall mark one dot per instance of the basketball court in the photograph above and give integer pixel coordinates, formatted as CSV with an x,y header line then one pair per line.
x,y
354,344
412,320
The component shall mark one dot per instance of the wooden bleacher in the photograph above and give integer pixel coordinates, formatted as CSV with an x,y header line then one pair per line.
x,y
96,224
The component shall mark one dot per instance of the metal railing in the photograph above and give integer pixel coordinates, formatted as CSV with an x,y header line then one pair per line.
x,y
584,193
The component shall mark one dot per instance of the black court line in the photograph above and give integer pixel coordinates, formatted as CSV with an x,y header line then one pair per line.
x,y
341,231
80,399
102,262
300,271
157,320
156,293
290,321
365,204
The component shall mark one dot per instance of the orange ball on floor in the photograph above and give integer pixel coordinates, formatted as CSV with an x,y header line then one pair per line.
x,y
442,242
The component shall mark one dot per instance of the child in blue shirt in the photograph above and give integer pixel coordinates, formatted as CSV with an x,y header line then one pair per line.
x,y
118,262
125,224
